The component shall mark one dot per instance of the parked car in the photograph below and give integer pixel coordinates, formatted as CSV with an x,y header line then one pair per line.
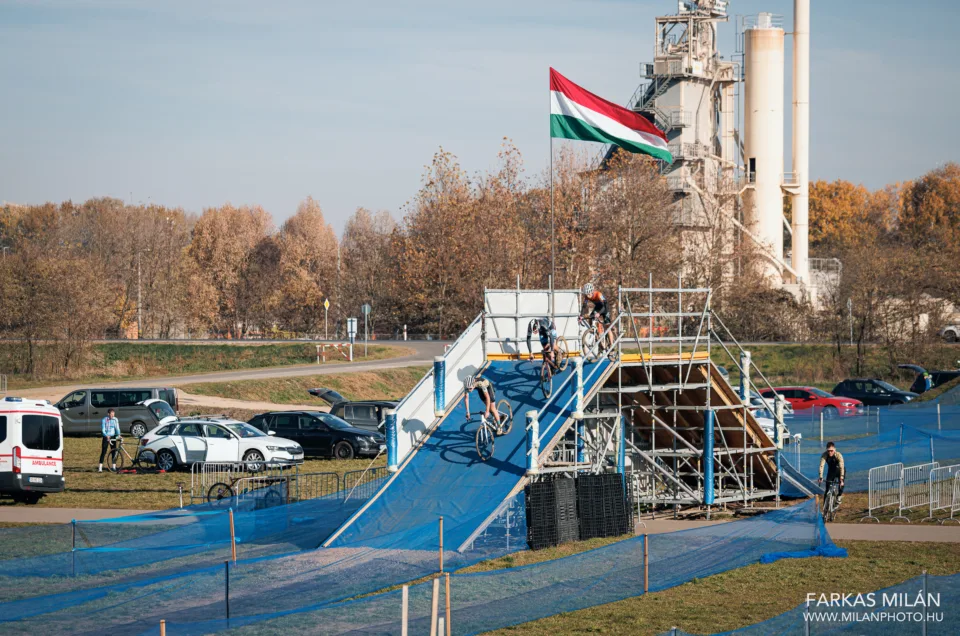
x,y
31,449
192,440
937,378
804,398
369,415
873,392
83,409
950,333
760,403
322,434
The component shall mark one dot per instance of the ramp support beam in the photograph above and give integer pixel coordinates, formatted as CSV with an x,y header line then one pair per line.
x,y
391,417
533,443
745,360
708,421
578,411
439,380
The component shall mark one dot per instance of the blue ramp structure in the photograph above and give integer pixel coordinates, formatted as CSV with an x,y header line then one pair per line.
x,y
444,476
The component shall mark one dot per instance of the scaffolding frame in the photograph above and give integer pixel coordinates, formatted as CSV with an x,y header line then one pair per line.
x,y
664,383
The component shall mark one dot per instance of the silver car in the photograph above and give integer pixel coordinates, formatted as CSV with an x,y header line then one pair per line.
x,y
84,409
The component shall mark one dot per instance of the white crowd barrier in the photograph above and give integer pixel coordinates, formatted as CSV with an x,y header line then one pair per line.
x,y
955,504
941,483
915,488
883,488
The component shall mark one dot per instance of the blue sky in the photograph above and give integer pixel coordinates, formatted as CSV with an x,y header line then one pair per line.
x,y
196,103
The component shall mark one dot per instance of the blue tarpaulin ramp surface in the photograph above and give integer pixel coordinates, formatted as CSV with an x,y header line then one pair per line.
x,y
447,478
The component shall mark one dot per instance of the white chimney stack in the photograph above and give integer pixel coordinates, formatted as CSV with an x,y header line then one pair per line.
x,y
801,138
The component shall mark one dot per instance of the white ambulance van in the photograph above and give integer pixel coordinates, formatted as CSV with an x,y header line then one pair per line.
x,y
31,449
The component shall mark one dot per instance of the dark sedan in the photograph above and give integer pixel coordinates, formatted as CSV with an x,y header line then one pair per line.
x,y
321,434
873,392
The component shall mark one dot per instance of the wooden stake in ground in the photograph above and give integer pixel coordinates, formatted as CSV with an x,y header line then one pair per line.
x,y
446,598
163,627
435,606
441,545
404,610
233,539
646,564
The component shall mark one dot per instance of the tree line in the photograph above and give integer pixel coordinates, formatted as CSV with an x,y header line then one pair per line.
x,y
75,272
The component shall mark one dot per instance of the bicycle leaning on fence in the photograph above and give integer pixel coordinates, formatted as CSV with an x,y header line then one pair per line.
x,y
489,430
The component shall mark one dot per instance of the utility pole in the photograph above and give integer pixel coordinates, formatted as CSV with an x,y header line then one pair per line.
x,y
139,303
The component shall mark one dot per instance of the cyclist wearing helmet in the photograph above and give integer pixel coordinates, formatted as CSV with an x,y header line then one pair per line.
x,y
547,331
601,309
485,390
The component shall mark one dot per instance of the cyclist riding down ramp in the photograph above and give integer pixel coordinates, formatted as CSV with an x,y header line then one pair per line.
x,y
446,476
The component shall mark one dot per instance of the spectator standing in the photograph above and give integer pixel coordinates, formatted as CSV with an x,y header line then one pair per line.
x,y
109,431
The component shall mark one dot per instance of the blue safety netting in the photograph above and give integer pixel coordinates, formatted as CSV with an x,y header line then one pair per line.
x,y
909,436
491,600
887,613
447,478
289,583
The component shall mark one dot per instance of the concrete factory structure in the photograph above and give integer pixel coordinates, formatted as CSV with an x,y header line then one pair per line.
x,y
729,185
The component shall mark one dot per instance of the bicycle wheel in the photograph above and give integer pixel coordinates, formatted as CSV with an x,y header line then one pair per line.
x,y
827,505
116,460
590,345
562,354
546,380
484,442
219,491
506,416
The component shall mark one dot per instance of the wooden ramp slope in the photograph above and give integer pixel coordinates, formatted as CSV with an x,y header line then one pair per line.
x,y
689,423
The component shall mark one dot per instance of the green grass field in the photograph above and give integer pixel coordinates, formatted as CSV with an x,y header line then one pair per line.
x,y
384,384
87,488
116,362
744,596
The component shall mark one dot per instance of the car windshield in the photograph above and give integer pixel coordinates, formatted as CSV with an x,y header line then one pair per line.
x,y
886,386
161,410
335,422
244,430
821,393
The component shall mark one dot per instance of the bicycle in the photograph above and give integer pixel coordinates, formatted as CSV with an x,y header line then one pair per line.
x,y
118,456
594,339
489,430
559,364
830,505
222,490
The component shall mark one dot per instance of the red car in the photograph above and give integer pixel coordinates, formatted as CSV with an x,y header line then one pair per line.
x,y
803,398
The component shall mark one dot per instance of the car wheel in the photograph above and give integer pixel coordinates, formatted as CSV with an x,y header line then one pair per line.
x,y
32,498
343,450
138,429
255,460
166,460
950,336
830,412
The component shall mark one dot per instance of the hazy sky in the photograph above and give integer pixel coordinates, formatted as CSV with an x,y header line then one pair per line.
x,y
196,103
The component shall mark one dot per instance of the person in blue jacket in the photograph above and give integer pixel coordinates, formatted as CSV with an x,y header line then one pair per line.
x,y
109,434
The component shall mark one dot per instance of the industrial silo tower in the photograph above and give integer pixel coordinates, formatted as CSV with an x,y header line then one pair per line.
x,y
729,187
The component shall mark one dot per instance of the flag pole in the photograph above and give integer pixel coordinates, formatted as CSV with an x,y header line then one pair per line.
x,y
553,234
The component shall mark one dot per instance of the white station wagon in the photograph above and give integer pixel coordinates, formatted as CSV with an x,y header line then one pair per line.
x,y
223,440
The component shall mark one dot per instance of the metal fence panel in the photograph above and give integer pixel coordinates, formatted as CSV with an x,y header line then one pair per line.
x,y
941,487
884,487
314,486
205,475
915,487
363,484
955,502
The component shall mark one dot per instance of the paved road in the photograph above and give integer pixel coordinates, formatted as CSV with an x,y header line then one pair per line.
x,y
838,531
32,514
423,352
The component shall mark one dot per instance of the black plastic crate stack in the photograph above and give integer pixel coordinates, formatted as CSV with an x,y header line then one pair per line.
x,y
551,513
602,506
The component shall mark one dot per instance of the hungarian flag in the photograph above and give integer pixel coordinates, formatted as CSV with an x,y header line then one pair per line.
x,y
576,113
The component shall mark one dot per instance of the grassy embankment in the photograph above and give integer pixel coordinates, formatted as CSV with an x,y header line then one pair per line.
x,y
118,362
86,488
744,596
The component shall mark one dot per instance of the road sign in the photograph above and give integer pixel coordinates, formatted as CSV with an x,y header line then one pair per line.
x,y
326,303
352,328
366,309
